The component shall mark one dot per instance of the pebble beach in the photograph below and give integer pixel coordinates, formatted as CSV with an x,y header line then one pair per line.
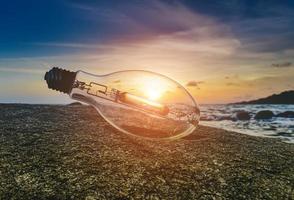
x,y
70,152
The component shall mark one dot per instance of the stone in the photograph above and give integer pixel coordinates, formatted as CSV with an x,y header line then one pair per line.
x,y
243,115
286,114
264,114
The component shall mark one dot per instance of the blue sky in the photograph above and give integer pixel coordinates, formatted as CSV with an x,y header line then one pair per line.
x,y
235,50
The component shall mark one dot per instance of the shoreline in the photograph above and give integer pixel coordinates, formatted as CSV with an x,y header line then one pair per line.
x,y
66,152
253,133
258,120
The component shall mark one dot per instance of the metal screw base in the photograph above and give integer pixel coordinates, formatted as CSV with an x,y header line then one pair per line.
x,y
60,79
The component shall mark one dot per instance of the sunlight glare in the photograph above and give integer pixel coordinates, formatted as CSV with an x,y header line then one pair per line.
x,y
153,94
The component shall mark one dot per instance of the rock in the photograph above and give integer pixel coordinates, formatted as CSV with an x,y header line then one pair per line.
x,y
75,104
270,129
243,115
285,134
264,114
287,114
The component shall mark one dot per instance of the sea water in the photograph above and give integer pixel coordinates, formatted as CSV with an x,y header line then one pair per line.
x,y
224,116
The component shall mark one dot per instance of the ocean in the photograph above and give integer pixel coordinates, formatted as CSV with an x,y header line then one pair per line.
x,y
224,116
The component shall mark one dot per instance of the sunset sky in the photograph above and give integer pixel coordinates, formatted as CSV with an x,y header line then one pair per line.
x,y
222,51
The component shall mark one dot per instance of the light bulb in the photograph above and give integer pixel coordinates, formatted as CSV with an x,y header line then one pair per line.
x,y
136,102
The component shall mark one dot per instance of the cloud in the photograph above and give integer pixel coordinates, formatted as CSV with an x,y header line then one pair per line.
x,y
173,24
171,38
194,84
232,84
72,45
284,64
178,24
22,70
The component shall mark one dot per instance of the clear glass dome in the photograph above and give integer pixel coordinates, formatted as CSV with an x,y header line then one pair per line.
x,y
139,103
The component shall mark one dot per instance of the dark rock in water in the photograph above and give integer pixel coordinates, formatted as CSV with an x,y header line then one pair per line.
x,y
285,134
243,115
264,114
287,114
75,104
270,129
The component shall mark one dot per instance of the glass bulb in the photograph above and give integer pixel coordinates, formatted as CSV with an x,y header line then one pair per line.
x,y
136,102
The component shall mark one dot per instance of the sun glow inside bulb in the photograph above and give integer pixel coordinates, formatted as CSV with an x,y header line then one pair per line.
x,y
143,103
119,97
153,93
139,103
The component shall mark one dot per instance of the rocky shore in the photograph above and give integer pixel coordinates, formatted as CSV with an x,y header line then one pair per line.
x,y
245,116
70,152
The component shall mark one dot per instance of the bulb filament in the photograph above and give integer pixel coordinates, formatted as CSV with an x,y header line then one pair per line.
x,y
112,94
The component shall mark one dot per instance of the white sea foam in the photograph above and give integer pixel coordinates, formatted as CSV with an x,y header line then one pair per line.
x,y
224,116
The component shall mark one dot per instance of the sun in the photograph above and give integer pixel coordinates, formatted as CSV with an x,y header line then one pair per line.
x,y
153,94
152,88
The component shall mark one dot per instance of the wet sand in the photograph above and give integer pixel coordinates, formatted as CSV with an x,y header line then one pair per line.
x,y
70,152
